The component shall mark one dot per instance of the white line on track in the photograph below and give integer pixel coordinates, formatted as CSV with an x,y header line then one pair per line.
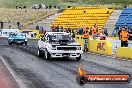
x,y
17,79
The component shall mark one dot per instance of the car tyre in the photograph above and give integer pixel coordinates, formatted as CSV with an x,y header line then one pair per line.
x,y
25,43
10,43
78,58
40,53
47,55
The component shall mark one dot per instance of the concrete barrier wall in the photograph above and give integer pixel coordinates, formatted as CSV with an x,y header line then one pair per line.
x,y
124,52
100,46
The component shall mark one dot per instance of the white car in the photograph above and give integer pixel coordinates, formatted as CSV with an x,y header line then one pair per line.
x,y
58,45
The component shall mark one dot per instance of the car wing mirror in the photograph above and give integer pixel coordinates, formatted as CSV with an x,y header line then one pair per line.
x,y
42,39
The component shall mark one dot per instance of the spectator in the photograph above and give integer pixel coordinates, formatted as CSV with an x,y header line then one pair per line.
x,y
86,38
16,7
21,27
61,29
53,28
41,28
94,31
18,24
37,27
119,33
124,35
105,32
58,7
90,33
39,6
130,32
54,6
57,28
102,36
44,32
46,7
20,7
1,25
50,6
24,7
9,23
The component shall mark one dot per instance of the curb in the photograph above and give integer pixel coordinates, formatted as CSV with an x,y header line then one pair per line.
x,y
16,78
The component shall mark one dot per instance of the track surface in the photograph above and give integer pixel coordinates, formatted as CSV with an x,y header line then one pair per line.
x,y
37,72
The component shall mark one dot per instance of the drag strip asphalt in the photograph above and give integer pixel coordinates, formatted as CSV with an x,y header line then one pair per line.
x,y
37,72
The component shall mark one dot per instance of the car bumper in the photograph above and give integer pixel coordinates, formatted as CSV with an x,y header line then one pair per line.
x,y
17,42
61,53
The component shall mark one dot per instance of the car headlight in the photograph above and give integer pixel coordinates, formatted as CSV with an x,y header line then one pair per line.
x,y
11,39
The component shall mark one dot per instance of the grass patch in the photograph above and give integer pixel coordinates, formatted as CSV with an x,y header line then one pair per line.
x,y
25,17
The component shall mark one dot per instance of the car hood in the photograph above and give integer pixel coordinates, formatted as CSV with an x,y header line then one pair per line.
x,y
70,44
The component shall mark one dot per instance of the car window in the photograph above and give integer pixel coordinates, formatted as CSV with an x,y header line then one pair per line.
x,y
55,38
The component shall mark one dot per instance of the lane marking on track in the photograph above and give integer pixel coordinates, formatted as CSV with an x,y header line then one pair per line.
x,y
16,78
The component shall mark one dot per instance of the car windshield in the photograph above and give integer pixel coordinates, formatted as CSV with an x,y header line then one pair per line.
x,y
56,38
15,34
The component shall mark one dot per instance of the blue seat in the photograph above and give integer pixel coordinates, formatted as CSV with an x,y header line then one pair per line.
x,y
125,18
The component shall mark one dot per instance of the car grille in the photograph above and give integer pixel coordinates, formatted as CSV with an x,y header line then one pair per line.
x,y
66,48
18,39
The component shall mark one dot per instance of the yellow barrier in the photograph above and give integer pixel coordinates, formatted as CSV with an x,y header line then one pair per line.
x,y
96,46
100,46
79,39
124,52
32,34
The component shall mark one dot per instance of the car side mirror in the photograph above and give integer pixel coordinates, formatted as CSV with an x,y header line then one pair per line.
x,y
42,39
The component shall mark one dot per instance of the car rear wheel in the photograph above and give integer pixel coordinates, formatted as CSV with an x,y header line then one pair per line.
x,y
47,55
78,58
25,43
10,43
40,53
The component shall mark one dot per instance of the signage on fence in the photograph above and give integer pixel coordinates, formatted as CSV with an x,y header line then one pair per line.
x,y
100,46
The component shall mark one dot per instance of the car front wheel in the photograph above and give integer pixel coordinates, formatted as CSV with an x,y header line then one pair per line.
x,y
10,43
78,58
25,43
47,55
40,53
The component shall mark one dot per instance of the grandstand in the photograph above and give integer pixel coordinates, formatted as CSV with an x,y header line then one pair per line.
x,y
79,17
125,19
